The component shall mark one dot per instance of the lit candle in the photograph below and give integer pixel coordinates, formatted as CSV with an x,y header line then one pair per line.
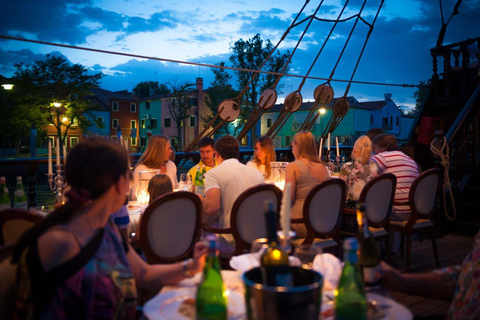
x,y
58,153
64,156
338,148
320,149
285,211
328,142
50,171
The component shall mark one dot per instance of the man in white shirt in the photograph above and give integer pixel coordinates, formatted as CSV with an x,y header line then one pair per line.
x,y
225,182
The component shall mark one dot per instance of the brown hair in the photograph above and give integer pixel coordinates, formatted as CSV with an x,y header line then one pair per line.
x,y
364,145
159,185
154,156
227,147
267,146
372,133
307,146
386,142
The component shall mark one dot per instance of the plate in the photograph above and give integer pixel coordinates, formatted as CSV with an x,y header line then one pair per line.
x,y
165,306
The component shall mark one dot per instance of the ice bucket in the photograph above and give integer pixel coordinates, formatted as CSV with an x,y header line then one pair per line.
x,y
300,301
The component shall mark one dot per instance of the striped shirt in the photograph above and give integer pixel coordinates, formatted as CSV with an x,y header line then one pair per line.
x,y
404,168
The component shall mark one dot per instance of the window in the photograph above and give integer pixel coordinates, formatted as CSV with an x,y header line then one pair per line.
x,y
391,120
193,102
114,106
269,122
133,124
113,138
288,141
193,121
133,107
384,121
398,120
142,123
73,141
74,122
173,101
99,122
143,142
167,122
133,141
147,105
153,123
114,123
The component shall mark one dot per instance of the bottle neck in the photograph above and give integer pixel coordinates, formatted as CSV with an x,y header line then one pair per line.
x,y
350,256
363,224
271,227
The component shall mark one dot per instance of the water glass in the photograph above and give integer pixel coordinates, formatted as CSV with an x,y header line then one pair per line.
x,y
306,253
258,246
185,182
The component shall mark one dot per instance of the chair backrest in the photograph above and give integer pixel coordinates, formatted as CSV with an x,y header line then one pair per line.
x,y
170,226
323,209
247,219
423,194
378,195
14,222
8,272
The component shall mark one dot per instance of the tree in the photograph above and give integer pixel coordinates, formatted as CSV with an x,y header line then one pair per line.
x,y
250,55
180,107
42,85
147,89
419,97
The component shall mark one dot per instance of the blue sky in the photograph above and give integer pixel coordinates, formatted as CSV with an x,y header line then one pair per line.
x,y
398,51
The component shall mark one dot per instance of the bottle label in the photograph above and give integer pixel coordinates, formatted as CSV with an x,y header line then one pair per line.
x,y
21,205
371,276
19,193
4,206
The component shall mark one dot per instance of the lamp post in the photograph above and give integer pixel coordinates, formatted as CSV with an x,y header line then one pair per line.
x,y
57,176
6,87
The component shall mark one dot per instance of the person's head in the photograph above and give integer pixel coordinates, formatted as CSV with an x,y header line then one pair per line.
x,y
158,152
264,153
227,147
158,185
206,147
384,142
372,133
362,149
305,146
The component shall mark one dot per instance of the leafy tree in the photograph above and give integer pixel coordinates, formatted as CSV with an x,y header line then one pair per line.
x,y
43,84
419,96
250,55
147,89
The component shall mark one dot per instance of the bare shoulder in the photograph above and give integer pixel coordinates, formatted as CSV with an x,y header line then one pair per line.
x,y
292,166
55,247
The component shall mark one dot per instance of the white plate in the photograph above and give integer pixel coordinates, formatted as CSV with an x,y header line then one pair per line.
x,y
165,306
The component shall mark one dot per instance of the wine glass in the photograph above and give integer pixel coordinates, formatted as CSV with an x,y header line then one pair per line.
x,y
185,182
258,246
306,253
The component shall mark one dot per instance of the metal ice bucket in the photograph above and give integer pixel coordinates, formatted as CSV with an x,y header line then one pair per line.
x,y
300,301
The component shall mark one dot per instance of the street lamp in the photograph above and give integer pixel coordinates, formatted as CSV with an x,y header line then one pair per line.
x,y
7,86
322,112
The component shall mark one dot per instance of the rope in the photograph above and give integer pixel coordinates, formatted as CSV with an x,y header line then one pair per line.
x,y
443,153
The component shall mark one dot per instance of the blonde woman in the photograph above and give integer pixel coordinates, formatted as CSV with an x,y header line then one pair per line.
x,y
304,173
360,170
263,154
156,156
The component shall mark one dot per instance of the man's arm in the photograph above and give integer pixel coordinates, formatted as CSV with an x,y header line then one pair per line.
x,y
211,204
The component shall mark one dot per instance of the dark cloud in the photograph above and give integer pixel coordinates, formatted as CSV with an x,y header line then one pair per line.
x,y
110,21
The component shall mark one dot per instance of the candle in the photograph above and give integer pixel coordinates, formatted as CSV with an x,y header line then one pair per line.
x,y
58,153
64,156
50,171
285,211
320,149
338,148
328,142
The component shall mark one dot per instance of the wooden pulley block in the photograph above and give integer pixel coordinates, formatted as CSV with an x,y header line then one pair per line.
x,y
231,110
340,107
323,93
268,99
293,101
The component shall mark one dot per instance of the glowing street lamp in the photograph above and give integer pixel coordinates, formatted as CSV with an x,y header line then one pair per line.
x,y
7,86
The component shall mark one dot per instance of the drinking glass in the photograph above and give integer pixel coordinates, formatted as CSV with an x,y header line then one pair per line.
x,y
258,246
306,253
185,182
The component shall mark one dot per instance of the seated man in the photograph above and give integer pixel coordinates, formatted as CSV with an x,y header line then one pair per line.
x,y
207,160
224,183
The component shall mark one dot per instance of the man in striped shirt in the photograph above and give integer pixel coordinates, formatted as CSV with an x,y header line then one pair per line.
x,y
390,159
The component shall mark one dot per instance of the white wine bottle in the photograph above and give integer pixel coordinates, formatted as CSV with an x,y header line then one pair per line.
x,y
4,195
19,197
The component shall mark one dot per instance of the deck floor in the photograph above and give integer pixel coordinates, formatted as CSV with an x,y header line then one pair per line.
x,y
452,249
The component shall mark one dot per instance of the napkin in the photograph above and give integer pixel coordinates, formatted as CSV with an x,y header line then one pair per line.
x,y
249,261
331,269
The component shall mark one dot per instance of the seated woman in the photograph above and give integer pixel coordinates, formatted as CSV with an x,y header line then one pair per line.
x,y
156,156
304,173
360,170
75,264
158,186
263,154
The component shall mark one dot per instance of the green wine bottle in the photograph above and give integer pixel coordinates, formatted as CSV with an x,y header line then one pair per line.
x,y
198,182
274,260
19,197
369,257
4,195
211,302
350,300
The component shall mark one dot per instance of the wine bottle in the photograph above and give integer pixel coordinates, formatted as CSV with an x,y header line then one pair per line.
x,y
4,195
19,197
369,257
211,302
198,182
274,260
350,299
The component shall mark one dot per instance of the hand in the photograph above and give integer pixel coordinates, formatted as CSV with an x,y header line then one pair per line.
x,y
199,254
392,278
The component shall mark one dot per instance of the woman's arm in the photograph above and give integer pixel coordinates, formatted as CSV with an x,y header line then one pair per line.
x,y
290,174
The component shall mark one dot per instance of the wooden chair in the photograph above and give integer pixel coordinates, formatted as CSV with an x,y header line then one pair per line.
x,y
170,226
8,273
422,200
378,195
14,222
247,221
322,214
